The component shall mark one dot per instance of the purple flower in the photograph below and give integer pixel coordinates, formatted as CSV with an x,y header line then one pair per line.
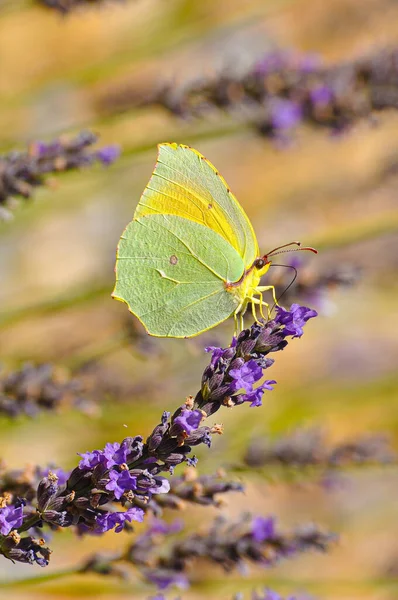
x,y
113,454
60,473
163,579
285,114
159,526
108,154
108,521
310,63
246,375
10,518
90,459
221,353
321,95
295,319
255,396
120,483
109,454
216,354
274,61
187,421
263,528
269,595
161,486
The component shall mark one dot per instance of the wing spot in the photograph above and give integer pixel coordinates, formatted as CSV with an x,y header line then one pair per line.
x,y
210,206
173,259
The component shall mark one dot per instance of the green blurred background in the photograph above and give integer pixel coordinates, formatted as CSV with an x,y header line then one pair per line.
x,y
57,258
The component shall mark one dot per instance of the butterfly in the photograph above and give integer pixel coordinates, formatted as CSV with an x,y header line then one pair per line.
x,y
189,259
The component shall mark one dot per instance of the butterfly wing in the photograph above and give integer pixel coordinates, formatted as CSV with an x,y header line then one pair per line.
x,y
171,272
184,183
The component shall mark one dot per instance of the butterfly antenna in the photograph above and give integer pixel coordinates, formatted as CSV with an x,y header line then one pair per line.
x,y
290,284
279,250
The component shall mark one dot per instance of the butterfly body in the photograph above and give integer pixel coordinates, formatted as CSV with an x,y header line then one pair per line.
x,y
189,259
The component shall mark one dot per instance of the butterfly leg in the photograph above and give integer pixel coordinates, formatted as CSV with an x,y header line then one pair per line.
x,y
267,288
238,318
236,330
261,303
253,303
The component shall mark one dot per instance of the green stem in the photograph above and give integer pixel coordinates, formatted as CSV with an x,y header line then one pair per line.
x,y
27,581
31,522
95,351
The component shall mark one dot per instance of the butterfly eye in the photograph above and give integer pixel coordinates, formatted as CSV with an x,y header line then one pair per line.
x,y
259,263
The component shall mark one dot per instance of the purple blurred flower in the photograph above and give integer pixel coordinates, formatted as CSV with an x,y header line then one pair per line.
x,y
108,154
285,114
263,528
268,594
321,95
10,518
110,520
310,62
295,319
274,61
163,579
246,375
157,526
120,483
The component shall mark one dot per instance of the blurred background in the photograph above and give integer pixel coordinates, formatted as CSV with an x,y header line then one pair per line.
x,y
100,68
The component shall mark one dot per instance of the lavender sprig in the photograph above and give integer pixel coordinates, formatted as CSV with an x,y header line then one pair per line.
x,y
229,379
230,544
112,487
266,594
21,172
282,90
42,387
307,448
67,6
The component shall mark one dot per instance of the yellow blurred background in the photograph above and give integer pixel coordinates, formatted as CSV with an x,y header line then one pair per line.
x,y
57,257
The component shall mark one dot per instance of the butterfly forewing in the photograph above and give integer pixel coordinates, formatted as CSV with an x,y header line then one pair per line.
x,y
186,184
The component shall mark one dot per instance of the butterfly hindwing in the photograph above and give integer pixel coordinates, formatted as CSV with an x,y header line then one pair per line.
x,y
172,271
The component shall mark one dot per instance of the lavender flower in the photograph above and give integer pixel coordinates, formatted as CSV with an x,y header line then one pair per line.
x,y
314,287
245,375
128,475
21,172
230,544
116,520
163,579
120,483
284,114
263,528
66,6
308,447
11,517
283,89
232,372
268,594
294,319
35,388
